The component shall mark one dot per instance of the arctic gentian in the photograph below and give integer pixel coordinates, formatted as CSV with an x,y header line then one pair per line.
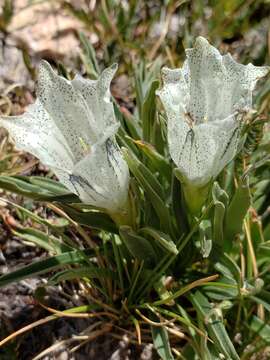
x,y
71,129
205,102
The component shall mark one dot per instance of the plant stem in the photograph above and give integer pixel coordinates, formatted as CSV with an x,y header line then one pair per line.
x,y
195,197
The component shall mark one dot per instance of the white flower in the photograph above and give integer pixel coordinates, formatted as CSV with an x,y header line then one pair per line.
x,y
71,129
205,101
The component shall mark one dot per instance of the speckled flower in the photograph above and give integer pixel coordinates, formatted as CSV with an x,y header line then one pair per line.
x,y
205,101
71,129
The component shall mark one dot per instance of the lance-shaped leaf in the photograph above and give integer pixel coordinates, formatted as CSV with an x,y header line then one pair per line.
x,y
71,129
205,102
138,246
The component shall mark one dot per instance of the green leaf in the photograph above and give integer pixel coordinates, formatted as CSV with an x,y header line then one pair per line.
x,y
161,342
93,219
183,312
89,272
22,186
129,125
220,199
219,214
205,235
56,224
214,326
180,215
138,246
46,265
157,161
45,241
63,71
235,215
263,252
262,298
126,141
46,190
152,188
219,194
89,56
260,328
149,111
228,267
144,76
260,301
162,239
53,186
142,173
160,134
162,290
224,289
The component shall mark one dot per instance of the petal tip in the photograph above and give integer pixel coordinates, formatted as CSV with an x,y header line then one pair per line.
x,y
44,66
114,66
170,75
111,70
201,41
107,75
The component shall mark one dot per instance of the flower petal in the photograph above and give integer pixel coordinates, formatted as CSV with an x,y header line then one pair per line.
x,y
174,91
204,71
35,132
238,85
227,132
71,128
102,177
218,86
68,109
97,95
202,151
194,152
204,103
